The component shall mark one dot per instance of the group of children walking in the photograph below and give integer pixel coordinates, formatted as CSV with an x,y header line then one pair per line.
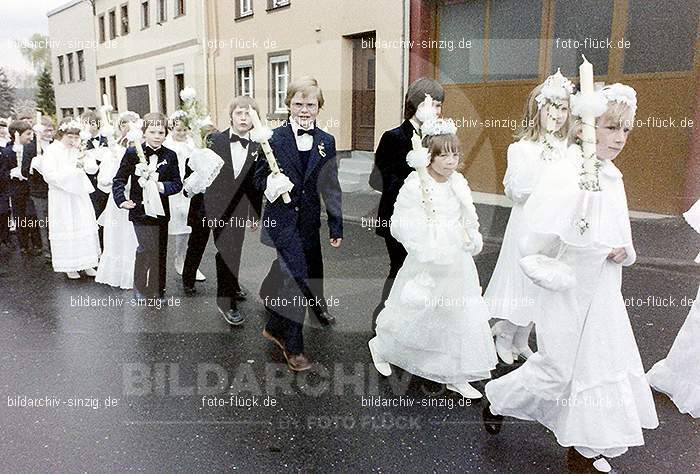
x,y
559,268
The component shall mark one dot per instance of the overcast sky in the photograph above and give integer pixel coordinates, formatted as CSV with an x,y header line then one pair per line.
x,y
21,19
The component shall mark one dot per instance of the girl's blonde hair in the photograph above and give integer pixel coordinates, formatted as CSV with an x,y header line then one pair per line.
x,y
60,133
617,112
531,127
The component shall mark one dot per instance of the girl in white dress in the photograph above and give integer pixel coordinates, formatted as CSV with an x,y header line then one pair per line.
x,y
435,322
75,245
678,375
586,382
181,143
541,142
116,266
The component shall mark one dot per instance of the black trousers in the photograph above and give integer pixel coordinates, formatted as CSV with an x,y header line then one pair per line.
x,y
397,255
293,284
99,203
26,221
229,246
151,255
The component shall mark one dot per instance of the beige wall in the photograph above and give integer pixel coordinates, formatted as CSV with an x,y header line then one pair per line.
x,y
325,54
136,57
71,30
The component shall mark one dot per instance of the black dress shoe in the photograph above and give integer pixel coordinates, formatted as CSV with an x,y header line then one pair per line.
x,y
240,294
492,423
325,318
232,316
189,290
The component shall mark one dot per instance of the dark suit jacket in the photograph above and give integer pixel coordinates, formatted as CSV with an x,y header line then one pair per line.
x,y
4,183
390,159
228,195
18,189
301,219
168,174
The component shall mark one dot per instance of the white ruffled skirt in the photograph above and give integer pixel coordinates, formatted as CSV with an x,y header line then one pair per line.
x,y
435,322
678,375
510,294
75,244
586,383
116,266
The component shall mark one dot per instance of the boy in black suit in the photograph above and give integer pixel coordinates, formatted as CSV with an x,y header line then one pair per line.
x,y
231,200
151,230
306,156
391,170
98,197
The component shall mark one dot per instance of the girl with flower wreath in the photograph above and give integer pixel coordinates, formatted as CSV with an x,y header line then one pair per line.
x,y
541,142
75,245
586,382
435,322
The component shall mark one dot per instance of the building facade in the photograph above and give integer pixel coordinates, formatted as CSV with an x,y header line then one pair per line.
x,y
354,49
73,45
148,51
489,54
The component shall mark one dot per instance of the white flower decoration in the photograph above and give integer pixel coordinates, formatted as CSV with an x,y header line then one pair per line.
x,y
188,93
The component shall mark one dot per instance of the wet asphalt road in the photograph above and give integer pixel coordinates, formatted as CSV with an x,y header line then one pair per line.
x,y
137,389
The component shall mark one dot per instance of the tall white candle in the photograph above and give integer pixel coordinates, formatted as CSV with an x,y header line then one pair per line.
x,y
588,119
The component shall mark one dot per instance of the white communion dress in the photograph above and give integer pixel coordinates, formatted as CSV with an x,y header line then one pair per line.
x,y
435,321
586,382
678,375
179,203
73,236
116,266
510,293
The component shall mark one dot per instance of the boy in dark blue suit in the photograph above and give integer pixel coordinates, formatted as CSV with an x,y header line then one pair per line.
x,y
391,171
306,156
151,231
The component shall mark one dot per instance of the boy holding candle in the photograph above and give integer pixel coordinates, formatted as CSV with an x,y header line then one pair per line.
x,y
155,175
308,172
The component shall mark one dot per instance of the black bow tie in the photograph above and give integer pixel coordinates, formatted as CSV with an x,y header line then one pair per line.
x,y
311,131
148,151
235,138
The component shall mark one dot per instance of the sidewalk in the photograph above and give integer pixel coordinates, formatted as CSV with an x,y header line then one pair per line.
x,y
663,243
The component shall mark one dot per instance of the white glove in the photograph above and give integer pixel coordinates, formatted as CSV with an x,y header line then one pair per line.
x,y
16,173
476,242
277,185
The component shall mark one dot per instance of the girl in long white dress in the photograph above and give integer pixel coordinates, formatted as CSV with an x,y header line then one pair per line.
x,y
586,382
75,245
435,322
678,375
541,142
181,143
116,266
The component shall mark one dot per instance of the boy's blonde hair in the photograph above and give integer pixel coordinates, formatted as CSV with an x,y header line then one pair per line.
x,y
531,127
243,101
308,86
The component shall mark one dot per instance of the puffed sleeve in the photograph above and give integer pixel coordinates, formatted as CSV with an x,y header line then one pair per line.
x,y
67,178
518,181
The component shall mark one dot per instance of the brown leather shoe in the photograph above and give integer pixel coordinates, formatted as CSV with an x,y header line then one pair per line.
x,y
297,362
272,338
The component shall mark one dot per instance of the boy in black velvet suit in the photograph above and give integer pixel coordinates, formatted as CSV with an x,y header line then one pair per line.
x,y
151,231
306,156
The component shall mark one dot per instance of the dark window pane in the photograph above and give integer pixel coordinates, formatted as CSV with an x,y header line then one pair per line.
x,y
661,35
514,43
461,22
581,27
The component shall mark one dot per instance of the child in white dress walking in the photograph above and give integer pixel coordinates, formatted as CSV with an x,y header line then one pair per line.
x,y
435,322
541,142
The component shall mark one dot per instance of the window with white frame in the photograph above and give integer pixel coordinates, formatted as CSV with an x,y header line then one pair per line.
x,y
162,11
279,78
244,77
179,8
145,15
278,3
246,7
61,73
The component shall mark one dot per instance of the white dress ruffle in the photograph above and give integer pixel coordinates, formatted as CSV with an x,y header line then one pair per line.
x,y
510,293
73,236
586,383
179,203
116,266
435,322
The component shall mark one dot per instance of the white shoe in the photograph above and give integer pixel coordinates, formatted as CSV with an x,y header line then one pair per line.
x,y
200,276
602,465
382,367
90,272
464,389
179,265
73,275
